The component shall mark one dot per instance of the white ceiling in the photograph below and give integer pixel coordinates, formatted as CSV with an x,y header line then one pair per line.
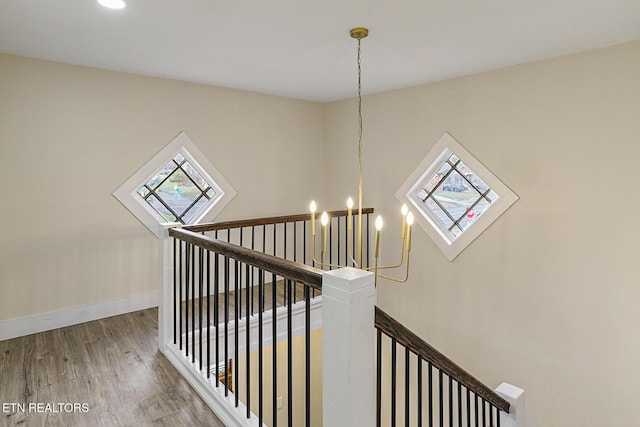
x,y
302,48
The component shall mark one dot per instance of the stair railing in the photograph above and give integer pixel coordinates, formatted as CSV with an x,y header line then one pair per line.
x,y
234,289
442,393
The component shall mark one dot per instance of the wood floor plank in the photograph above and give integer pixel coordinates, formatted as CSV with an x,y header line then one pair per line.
x,y
112,365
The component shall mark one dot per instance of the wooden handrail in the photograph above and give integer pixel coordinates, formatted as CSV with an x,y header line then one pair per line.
x,y
404,336
282,267
201,228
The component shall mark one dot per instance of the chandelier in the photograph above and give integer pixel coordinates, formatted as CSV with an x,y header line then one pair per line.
x,y
407,217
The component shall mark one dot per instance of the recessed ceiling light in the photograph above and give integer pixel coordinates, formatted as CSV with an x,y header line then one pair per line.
x,y
113,4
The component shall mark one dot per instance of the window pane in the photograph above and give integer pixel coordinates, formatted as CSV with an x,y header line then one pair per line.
x,y
161,209
143,191
178,192
187,217
195,176
459,201
476,182
155,181
179,158
435,179
439,213
170,167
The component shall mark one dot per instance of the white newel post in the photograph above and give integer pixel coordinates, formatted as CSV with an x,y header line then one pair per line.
x,y
165,296
515,396
348,374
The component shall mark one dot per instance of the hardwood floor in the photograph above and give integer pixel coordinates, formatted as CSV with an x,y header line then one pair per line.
x,y
253,294
110,369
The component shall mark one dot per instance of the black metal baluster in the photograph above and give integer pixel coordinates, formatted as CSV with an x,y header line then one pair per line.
x,y
248,340
275,239
430,382
498,416
179,302
393,382
216,313
419,398
175,291
407,368
475,397
264,250
378,378
253,247
468,408
440,397
491,415
484,412
289,354
239,306
200,301
338,240
284,243
236,332
186,303
260,344
307,330
304,242
274,341
330,231
459,405
193,304
295,254
208,314
226,326
304,249
450,401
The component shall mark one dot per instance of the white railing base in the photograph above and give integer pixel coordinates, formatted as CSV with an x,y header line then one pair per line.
x,y
515,396
348,373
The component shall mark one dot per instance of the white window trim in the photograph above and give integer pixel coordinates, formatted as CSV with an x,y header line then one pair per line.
x,y
128,195
446,146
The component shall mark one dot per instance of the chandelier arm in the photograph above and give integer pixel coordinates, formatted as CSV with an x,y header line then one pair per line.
x,y
399,264
393,279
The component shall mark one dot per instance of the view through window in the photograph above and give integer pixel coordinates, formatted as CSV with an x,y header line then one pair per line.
x,y
455,196
178,191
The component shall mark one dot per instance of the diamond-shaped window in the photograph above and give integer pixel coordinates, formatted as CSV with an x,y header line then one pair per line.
x,y
456,195
177,185
178,191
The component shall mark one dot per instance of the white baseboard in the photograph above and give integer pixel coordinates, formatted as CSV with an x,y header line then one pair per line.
x,y
22,326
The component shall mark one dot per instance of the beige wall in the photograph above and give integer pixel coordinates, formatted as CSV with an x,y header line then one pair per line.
x,y
547,298
69,136
298,354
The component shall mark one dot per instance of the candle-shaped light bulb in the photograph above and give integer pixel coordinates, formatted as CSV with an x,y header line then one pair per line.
x,y
349,202
379,223
405,209
324,220
409,223
312,208
378,228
